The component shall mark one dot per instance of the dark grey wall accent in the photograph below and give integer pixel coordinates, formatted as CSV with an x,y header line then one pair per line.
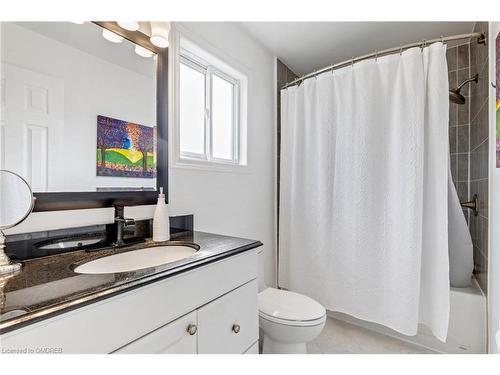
x,y
479,143
284,75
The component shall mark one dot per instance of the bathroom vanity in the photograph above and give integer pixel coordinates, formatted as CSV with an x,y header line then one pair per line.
x,y
202,300
205,303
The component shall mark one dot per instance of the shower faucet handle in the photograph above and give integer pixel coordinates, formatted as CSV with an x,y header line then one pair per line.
x,y
472,204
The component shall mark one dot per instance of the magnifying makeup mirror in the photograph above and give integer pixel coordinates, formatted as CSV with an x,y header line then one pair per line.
x,y
16,203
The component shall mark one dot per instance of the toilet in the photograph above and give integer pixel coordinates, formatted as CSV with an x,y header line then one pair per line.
x,y
289,320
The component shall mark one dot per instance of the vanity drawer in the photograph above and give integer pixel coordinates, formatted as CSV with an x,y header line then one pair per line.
x,y
230,324
172,338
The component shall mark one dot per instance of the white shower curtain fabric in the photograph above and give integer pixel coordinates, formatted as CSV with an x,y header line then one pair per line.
x,y
363,190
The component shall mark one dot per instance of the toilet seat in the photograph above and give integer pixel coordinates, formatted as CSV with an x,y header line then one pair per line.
x,y
293,323
290,308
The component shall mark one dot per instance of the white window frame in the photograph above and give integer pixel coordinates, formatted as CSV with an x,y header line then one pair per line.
x,y
182,159
196,63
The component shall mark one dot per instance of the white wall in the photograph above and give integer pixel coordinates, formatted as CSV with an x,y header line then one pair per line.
x,y
92,86
494,199
236,204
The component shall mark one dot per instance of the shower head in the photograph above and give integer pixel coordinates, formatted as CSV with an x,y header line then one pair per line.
x,y
455,96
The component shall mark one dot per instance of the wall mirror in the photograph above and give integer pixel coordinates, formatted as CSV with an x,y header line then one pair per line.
x,y
82,119
16,203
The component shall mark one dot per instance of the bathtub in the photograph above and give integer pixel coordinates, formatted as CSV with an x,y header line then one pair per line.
x,y
466,331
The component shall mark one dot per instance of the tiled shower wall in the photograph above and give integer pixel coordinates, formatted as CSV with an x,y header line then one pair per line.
x,y
479,130
458,71
469,141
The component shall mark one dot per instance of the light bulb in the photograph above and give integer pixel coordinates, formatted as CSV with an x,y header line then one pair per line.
x,y
131,25
78,22
159,34
141,51
111,36
159,41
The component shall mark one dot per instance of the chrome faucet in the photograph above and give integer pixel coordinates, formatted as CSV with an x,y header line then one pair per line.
x,y
121,222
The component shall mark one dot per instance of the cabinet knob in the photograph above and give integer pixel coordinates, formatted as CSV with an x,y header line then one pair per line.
x,y
236,328
191,329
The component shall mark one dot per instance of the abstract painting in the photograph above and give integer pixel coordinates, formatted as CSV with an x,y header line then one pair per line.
x,y
498,100
125,149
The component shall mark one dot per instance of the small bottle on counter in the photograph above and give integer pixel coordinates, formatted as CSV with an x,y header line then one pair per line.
x,y
161,221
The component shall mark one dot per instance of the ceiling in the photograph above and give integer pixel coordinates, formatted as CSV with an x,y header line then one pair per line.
x,y
307,46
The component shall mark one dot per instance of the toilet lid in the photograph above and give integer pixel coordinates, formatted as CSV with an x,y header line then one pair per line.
x,y
286,305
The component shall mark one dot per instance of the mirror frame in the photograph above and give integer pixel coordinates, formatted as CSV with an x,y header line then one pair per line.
x,y
56,201
30,209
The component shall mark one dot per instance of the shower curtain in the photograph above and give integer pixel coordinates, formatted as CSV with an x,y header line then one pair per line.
x,y
363,190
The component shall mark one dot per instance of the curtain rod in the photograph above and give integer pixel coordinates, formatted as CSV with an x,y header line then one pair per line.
x,y
481,39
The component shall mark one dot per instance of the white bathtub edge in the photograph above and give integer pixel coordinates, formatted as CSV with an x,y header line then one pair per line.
x,y
466,332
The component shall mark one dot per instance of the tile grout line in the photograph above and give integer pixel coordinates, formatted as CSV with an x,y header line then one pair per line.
x,y
480,108
480,144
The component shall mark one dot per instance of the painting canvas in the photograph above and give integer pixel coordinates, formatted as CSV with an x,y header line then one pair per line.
x,y
125,149
498,101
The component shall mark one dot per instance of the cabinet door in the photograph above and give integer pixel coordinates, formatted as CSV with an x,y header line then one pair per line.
x,y
229,324
254,349
173,338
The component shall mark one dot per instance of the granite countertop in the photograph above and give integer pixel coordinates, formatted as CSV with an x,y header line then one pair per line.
x,y
48,286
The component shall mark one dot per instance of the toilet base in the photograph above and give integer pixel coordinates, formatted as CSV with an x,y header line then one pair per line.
x,y
274,347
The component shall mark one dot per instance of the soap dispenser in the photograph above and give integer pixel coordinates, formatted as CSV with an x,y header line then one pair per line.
x,y
161,221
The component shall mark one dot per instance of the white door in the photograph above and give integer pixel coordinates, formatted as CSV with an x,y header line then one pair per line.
x,y
177,337
32,127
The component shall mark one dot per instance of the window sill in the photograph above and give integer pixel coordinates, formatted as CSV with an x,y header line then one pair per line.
x,y
209,166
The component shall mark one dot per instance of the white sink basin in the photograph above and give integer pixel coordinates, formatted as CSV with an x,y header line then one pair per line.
x,y
136,260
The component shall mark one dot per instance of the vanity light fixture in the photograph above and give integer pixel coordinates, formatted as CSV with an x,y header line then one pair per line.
x,y
130,25
78,22
141,51
111,36
159,34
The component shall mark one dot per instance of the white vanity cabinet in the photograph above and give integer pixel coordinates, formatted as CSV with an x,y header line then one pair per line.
x,y
210,309
226,325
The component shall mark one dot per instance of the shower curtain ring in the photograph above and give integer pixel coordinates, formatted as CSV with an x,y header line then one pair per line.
x,y
442,39
400,50
376,55
352,62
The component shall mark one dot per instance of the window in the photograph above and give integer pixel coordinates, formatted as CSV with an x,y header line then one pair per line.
x,y
211,128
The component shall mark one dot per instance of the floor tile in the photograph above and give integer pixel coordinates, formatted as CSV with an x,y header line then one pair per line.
x,y
344,338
